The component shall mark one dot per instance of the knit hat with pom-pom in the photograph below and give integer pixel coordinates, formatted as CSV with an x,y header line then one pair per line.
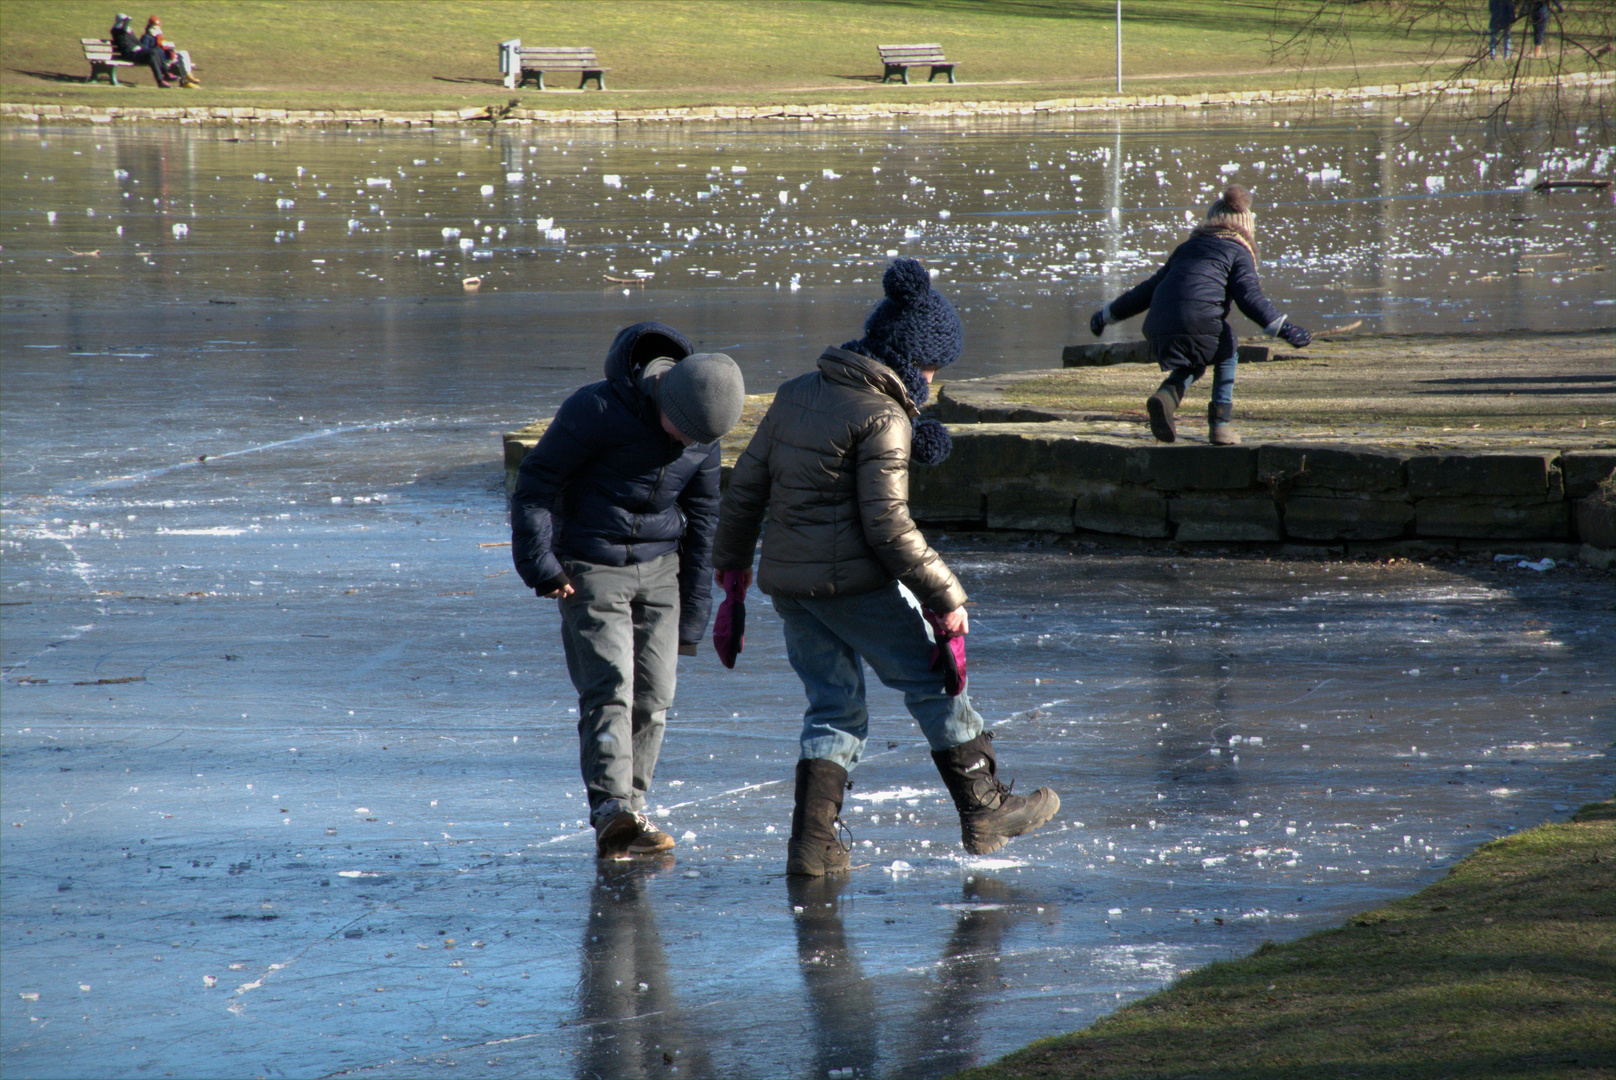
x,y
1233,211
914,327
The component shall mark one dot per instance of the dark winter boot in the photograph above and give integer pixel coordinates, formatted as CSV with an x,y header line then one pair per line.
x,y
815,849
989,814
1219,430
1161,405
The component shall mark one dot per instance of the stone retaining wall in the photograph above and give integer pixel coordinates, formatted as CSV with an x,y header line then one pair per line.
x,y
1040,478
27,112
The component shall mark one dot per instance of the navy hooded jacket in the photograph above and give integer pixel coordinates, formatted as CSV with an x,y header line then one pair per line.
x,y
606,484
1189,298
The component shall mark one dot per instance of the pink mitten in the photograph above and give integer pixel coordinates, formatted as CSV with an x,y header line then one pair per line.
x,y
729,625
948,655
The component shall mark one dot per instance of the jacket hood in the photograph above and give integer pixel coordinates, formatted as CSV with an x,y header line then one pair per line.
x,y
856,369
637,345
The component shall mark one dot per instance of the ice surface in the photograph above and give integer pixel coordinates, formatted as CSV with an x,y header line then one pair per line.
x,y
277,714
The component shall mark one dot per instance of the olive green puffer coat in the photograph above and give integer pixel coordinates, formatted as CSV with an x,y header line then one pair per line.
x,y
829,466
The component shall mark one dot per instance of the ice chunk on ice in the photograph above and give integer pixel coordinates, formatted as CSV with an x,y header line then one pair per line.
x,y
612,180
181,229
378,181
487,189
1435,183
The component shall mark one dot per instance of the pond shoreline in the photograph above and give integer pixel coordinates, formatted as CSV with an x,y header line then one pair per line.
x,y
1356,446
511,114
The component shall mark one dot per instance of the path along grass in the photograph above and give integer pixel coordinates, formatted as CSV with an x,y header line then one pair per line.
x,y
665,53
1505,968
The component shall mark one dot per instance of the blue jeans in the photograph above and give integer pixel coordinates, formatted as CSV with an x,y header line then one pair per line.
x,y
1223,365
827,639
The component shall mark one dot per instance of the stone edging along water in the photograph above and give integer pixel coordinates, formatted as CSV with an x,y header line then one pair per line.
x,y
1053,477
28,112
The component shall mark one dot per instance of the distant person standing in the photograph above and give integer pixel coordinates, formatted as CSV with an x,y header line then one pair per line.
x,y
1540,23
1501,17
176,63
613,515
126,46
1188,325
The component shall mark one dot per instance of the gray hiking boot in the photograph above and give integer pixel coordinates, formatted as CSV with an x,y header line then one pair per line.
x,y
989,814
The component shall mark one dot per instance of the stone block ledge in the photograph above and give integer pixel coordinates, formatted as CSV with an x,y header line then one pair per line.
x,y
1051,477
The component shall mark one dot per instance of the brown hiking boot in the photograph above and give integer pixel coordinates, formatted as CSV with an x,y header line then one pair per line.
x,y
989,814
815,849
1220,432
628,835
1161,405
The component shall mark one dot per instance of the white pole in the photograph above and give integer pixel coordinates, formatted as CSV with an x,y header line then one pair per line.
x,y
1119,46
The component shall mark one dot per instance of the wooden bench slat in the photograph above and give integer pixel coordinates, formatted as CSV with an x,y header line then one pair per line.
x,y
898,59
98,52
534,60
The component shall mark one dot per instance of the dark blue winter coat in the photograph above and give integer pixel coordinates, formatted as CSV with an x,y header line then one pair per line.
x,y
1189,298
606,484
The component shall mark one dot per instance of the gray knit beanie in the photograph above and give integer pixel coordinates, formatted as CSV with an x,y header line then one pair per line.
x,y
702,395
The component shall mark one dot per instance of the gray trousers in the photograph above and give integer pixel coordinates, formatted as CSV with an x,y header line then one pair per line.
x,y
620,629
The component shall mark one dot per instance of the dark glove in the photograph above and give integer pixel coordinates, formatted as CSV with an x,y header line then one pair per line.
x,y
1097,323
948,655
545,588
1295,336
729,625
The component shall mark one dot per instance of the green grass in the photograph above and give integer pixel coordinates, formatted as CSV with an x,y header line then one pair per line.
x,y
1505,968
420,55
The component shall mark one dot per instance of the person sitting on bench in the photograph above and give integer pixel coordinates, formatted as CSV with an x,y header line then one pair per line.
x,y
125,46
176,64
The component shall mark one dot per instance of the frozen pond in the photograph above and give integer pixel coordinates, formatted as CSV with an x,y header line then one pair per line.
x,y
288,769
768,240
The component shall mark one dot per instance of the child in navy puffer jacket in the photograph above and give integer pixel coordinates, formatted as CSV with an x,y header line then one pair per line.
x,y
1188,325
613,515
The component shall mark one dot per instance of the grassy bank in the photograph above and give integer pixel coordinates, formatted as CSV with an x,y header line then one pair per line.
x,y
1505,968
665,53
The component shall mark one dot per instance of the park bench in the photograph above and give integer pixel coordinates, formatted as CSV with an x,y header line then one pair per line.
x,y
898,59
102,62
518,63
